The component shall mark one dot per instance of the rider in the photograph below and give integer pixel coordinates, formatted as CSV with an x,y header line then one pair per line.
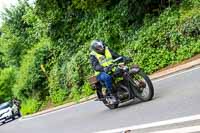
x,y
16,102
101,58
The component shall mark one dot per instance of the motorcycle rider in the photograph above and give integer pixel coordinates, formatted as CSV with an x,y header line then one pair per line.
x,y
16,104
101,58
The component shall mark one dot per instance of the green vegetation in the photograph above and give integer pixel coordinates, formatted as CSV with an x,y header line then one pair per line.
x,y
44,49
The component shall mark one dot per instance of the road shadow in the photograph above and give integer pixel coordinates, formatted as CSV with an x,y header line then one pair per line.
x,y
134,102
129,104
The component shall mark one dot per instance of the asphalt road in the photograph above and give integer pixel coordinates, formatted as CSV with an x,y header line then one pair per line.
x,y
176,96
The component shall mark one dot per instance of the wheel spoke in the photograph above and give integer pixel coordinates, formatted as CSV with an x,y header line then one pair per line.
x,y
144,87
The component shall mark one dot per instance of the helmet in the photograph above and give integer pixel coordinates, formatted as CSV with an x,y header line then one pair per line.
x,y
98,46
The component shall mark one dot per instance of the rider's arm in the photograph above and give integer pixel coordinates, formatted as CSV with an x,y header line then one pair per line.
x,y
114,54
95,64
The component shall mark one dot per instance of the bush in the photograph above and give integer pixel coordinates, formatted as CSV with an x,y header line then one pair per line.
x,y
31,80
172,38
77,69
110,26
86,90
57,90
30,106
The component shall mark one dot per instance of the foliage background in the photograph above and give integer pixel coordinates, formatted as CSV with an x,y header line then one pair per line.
x,y
44,48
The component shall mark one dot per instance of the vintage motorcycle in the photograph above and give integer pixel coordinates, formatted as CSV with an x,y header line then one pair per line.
x,y
128,83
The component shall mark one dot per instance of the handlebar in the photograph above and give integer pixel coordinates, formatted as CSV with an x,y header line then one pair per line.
x,y
118,64
117,59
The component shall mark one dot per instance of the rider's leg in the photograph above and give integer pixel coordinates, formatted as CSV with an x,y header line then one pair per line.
x,y
107,79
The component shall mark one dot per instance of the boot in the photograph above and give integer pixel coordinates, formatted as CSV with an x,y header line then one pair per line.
x,y
111,99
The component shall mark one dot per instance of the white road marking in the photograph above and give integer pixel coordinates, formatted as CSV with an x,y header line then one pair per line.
x,y
154,124
156,80
181,130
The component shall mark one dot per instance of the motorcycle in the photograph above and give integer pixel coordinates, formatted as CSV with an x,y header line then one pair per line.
x,y
128,83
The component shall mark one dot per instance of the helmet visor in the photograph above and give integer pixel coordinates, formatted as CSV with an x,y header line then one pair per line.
x,y
99,46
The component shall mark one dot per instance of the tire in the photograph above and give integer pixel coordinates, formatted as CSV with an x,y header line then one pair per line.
x,y
138,93
13,116
19,115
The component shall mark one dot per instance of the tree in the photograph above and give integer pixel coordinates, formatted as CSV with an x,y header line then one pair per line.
x,y
15,40
7,76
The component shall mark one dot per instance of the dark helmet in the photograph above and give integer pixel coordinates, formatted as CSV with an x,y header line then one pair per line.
x,y
98,46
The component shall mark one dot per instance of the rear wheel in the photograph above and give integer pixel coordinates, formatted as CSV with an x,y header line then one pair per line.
x,y
142,86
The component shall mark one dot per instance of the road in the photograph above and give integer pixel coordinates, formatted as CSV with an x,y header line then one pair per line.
x,y
176,96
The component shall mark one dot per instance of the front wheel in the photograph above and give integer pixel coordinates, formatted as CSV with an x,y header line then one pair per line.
x,y
142,86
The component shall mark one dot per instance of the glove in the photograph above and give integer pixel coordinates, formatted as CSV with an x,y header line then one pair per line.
x,y
107,69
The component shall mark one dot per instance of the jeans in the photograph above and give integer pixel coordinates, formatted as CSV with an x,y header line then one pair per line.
x,y
107,79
